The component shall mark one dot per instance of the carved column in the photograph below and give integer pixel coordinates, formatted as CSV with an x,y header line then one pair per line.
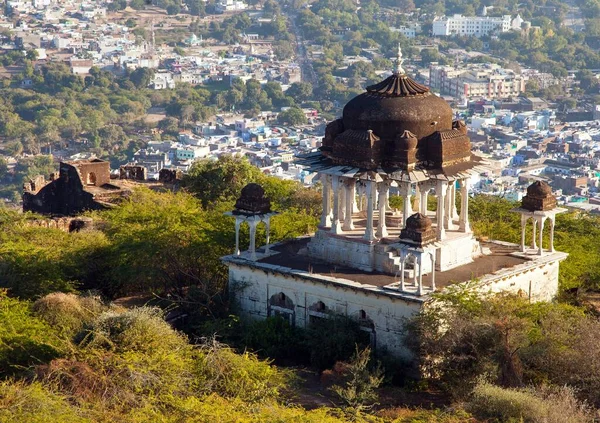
x,y
424,193
432,270
402,267
420,281
533,243
336,227
238,222
268,232
417,198
441,197
406,209
370,191
326,215
552,223
524,219
464,207
252,223
383,194
455,215
342,200
350,198
541,249
448,208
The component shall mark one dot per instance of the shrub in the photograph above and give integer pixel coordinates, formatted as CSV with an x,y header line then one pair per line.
x,y
529,405
25,340
359,389
275,338
20,402
220,370
333,339
68,312
140,329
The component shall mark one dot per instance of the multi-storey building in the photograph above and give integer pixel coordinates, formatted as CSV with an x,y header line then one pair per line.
x,y
474,81
470,25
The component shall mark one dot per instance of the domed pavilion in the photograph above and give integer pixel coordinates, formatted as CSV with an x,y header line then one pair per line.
x,y
397,136
376,265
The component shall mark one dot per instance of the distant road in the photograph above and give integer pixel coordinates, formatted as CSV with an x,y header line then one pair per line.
x,y
306,68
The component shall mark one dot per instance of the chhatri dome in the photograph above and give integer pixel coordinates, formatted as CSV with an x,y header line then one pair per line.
x,y
399,124
380,265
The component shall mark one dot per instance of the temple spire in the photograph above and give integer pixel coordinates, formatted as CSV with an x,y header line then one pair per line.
x,y
399,69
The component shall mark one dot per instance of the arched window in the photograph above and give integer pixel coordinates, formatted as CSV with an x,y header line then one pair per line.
x,y
91,178
281,305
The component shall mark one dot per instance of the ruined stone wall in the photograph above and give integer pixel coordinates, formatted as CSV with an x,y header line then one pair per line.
x,y
66,224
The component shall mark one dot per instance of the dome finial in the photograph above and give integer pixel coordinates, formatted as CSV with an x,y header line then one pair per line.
x,y
399,69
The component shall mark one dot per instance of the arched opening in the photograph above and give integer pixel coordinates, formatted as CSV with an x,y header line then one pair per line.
x,y
91,178
367,325
317,311
282,306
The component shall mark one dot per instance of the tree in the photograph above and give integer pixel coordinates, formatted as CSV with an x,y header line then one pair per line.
x,y
292,116
173,9
300,91
142,77
32,55
358,391
137,4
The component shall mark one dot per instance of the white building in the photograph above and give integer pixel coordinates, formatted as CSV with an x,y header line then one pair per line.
x,y
381,266
477,26
230,6
489,81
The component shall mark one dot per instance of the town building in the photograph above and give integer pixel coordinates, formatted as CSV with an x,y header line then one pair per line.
x,y
488,81
381,266
477,26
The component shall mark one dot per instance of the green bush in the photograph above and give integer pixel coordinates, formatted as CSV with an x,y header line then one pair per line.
x,y
220,370
527,405
25,340
68,312
140,329
275,338
33,403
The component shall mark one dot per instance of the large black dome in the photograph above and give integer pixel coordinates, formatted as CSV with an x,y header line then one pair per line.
x,y
395,105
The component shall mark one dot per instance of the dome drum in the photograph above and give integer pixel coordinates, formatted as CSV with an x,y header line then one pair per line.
x,y
358,148
332,130
252,201
418,230
539,197
446,148
402,152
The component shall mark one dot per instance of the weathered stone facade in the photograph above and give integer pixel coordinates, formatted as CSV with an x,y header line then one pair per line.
x,y
78,187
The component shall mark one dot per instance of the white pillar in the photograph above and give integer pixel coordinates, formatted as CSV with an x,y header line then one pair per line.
x,y
432,270
541,249
448,208
402,267
342,202
455,215
552,223
238,222
405,192
415,280
533,244
464,207
383,194
417,198
326,215
524,219
268,232
369,235
336,227
440,192
350,198
420,282
424,193
252,223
